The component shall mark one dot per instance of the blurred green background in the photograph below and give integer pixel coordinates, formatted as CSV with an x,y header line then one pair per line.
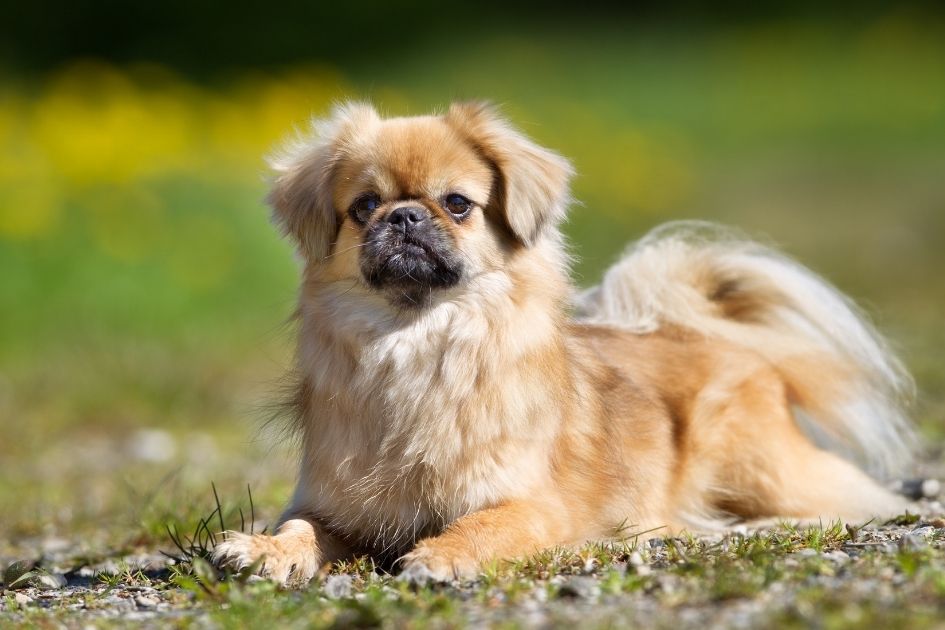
x,y
143,292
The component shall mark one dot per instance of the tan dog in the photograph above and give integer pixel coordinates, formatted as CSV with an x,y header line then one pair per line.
x,y
447,396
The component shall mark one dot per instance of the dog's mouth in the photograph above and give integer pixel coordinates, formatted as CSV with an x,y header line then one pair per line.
x,y
409,265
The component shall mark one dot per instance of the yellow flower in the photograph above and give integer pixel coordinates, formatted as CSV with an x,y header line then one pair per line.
x,y
97,126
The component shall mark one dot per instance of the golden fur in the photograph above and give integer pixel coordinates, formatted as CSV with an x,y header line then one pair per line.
x,y
470,416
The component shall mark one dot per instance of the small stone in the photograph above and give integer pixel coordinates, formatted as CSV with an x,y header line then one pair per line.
x,y
49,581
931,488
119,603
16,570
338,586
55,545
22,599
837,556
152,445
937,523
146,601
916,489
580,587
636,559
912,542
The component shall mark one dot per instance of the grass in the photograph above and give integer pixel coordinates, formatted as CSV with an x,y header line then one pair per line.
x,y
143,295
786,576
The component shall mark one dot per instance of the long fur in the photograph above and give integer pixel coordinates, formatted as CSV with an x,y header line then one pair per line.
x,y
713,280
455,424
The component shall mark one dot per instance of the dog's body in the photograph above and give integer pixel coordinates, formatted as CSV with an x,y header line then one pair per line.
x,y
448,396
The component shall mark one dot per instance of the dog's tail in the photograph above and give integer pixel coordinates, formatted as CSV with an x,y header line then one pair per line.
x,y
847,388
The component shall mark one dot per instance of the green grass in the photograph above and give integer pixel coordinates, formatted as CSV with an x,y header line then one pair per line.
x,y
716,579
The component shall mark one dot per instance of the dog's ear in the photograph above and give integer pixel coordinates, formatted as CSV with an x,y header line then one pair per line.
x,y
301,193
532,191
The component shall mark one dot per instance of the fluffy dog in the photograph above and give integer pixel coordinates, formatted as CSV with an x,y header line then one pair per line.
x,y
459,403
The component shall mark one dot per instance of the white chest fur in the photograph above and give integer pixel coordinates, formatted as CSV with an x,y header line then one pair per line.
x,y
415,421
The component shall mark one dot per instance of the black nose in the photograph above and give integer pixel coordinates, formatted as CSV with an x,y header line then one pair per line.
x,y
406,217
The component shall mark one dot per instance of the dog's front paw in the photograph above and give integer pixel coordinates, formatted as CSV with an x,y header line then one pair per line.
x,y
427,564
286,559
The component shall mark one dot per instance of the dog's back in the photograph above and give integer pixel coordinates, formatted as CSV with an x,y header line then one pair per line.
x,y
846,387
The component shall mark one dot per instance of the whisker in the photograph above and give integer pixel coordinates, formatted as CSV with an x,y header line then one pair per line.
x,y
348,249
346,291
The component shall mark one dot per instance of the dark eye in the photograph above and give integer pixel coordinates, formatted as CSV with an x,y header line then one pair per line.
x,y
458,205
363,207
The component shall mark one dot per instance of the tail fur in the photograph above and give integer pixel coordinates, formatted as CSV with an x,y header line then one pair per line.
x,y
848,389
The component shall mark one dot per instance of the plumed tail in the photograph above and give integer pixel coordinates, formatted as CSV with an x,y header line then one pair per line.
x,y
849,390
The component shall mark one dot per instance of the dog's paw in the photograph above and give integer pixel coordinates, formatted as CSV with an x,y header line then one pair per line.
x,y
282,558
426,564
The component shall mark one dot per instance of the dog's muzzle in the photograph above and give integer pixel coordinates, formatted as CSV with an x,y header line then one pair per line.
x,y
407,251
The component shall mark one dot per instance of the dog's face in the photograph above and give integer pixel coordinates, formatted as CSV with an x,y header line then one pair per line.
x,y
412,207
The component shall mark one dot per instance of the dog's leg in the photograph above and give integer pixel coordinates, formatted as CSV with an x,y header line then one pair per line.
x,y
768,468
293,555
510,530
815,484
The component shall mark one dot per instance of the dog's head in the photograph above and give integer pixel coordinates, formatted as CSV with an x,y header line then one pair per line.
x,y
411,207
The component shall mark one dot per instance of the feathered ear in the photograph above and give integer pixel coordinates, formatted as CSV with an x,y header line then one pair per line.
x,y
301,193
532,191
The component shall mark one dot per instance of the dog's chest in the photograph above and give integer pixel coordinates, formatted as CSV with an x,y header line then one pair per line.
x,y
418,431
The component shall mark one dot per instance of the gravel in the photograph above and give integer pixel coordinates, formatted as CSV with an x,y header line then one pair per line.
x,y
66,578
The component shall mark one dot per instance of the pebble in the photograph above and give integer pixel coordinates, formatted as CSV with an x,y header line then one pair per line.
x,y
152,445
23,599
917,489
49,581
931,488
636,559
146,601
912,542
15,570
580,586
837,556
339,586
119,603
55,545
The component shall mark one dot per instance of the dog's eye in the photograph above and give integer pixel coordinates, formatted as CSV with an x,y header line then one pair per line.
x,y
458,205
363,207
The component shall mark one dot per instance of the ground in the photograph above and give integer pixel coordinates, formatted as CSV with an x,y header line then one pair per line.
x,y
875,575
